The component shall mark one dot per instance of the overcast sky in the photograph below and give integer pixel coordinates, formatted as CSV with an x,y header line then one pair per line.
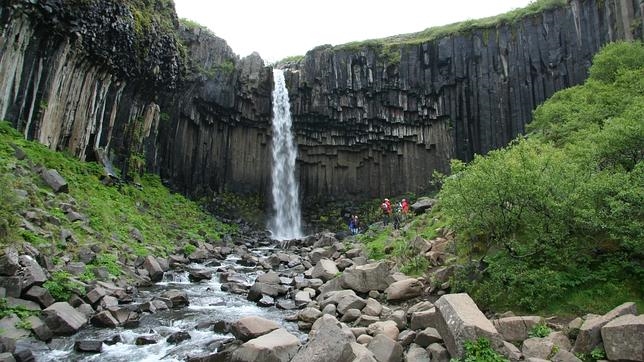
x,y
280,28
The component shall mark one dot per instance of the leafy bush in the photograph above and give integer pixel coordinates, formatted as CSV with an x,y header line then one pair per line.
x,y
61,286
540,330
479,351
20,311
559,213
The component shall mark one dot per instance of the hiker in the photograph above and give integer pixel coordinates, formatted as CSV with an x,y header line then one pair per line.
x,y
352,225
397,216
356,225
405,207
386,211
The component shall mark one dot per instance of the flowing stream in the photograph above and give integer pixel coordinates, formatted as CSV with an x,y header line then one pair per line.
x,y
286,222
207,304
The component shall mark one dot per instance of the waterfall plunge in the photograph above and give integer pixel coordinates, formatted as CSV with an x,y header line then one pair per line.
x,y
286,223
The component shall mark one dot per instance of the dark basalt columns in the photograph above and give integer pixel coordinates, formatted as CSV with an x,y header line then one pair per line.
x,y
368,121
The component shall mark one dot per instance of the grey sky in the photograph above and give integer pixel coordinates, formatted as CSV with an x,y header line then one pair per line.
x,y
281,28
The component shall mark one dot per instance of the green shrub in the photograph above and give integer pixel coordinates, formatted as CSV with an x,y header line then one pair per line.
x,y
479,351
189,249
61,286
20,311
539,330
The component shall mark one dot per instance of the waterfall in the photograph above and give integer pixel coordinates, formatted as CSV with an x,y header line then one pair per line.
x,y
286,223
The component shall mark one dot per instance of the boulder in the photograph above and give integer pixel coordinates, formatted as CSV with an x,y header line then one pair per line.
x,y
624,338
458,319
360,353
178,337
516,329
565,356
199,275
319,253
91,346
12,285
145,340
40,329
327,342
7,357
259,289
388,328
325,269
342,299
590,332
309,315
427,336
302,298
420,245
350,315
251,327
9,263
404,289
422,319
364,278
179,298
104,319
276,346
406,337
423,204
385,349
417,354
63,319
438,353
538,348
94,295
373,307
269,278
32,272
54,180
151,265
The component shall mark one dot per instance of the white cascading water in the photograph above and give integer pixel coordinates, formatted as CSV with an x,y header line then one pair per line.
x,y
286,223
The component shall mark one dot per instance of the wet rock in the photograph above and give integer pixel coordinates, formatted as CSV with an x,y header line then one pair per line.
x,y
104,319
404,289
276,346
385,349
63,319
113,340
178,298
251,327
458,319
153,268
145,340
623,338
54,180
266,301
178,337
199,275
88,346
258,290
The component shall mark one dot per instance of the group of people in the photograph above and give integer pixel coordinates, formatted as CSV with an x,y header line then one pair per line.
x,y
397,215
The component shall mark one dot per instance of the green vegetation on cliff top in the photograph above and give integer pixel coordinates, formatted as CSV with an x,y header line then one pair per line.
x,y
125,219
554,222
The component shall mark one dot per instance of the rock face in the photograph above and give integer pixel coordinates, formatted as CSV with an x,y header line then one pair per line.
x,y
82,79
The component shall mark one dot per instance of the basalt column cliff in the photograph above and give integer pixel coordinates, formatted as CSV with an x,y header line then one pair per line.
x,y
124,78
379,120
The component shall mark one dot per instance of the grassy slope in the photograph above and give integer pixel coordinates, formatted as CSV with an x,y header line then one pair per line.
x,y
165,219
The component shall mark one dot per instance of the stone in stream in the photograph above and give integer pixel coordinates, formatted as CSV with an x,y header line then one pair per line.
x,y
276,346
251,327
178,298
178,337
266,301
269,278
258,290
88,346
143,340
199,275
104,319
153,268
63,319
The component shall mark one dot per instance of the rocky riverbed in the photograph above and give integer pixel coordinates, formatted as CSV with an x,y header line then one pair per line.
x,y
254,301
